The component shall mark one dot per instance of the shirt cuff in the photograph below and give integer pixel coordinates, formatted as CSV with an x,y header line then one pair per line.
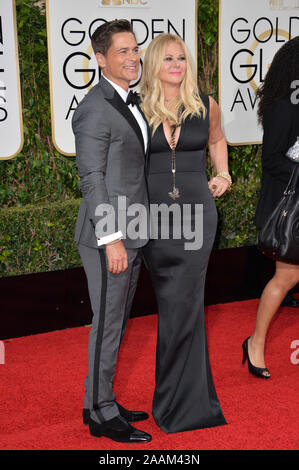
x,y
109,238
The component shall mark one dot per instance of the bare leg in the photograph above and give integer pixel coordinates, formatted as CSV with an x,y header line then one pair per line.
x,y
286,276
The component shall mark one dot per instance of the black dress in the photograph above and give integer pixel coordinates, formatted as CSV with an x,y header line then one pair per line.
x,y
184,396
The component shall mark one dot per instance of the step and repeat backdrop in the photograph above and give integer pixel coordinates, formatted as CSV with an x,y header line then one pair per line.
x,y
72,65
11,125
250,33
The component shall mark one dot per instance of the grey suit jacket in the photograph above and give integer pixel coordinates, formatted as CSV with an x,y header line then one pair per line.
x,y
111,163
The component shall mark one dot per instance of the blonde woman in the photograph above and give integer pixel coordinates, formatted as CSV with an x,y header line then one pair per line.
x,y
182,124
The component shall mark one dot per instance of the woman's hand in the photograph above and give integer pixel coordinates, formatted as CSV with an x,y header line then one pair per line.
x,y
218,185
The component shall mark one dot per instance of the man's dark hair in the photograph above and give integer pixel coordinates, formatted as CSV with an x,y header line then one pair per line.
x,y
101,39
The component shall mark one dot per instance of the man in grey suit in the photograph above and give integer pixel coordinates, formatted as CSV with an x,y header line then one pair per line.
x,y
111,143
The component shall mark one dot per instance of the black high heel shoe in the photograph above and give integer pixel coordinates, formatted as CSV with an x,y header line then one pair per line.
x,y
257,371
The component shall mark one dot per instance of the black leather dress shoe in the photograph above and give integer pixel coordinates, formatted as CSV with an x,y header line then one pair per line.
x,y
118,429
130,416
290,301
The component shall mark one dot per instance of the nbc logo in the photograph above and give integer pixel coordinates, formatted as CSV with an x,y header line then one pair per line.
x,y
132,3
283,4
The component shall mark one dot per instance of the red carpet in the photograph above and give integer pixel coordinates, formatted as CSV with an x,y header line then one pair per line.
x,y
42,386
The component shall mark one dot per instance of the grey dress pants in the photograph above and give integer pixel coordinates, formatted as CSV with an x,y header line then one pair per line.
x,y
111,297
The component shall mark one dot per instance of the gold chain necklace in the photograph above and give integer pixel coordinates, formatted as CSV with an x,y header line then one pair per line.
x,y
174,194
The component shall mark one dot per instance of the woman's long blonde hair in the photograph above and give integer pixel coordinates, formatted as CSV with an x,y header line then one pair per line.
x,y
151,90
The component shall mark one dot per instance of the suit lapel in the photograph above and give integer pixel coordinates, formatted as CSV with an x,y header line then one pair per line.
x,y
118,103
148,133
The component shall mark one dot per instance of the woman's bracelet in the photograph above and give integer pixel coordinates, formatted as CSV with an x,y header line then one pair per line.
x,y
227,177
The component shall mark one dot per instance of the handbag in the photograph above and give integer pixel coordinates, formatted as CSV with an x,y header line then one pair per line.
x,y
279,237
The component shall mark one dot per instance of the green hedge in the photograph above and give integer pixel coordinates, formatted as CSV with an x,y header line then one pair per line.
x,y
37,238
39,189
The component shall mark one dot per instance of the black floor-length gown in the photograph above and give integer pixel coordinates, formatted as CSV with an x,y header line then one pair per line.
x,y
184,397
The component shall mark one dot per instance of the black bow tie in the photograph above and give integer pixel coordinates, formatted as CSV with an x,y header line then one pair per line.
x,y
132,98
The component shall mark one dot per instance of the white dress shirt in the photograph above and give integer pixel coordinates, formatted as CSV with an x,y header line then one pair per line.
x,y
139,118
134,110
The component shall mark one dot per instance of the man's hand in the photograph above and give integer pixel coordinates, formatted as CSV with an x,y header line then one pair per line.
x,y
117,257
